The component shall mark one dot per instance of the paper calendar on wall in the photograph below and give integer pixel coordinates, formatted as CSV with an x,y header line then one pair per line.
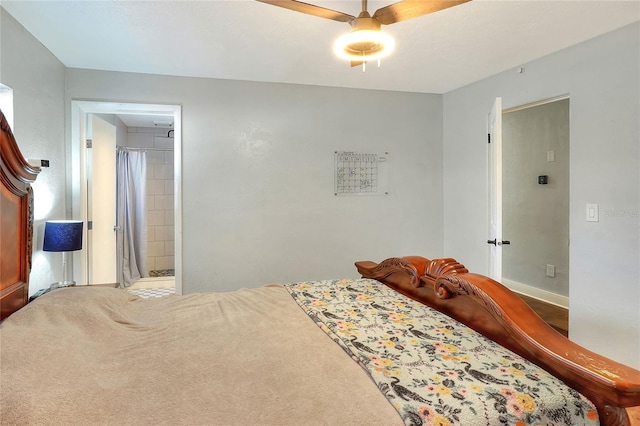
x,y
361,173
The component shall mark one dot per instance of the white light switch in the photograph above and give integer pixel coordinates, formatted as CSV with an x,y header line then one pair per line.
x,y
551,156
592,213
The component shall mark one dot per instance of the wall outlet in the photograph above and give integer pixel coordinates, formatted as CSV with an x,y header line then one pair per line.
x,y
551,271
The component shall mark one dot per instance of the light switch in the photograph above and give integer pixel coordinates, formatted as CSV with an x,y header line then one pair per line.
x,y
551,156
551,271
592,213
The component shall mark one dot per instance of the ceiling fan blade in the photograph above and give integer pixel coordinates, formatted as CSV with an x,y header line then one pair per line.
x,y
408,9
356,63
311,9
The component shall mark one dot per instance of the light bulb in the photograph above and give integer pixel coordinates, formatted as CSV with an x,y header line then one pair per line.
x,y
368,43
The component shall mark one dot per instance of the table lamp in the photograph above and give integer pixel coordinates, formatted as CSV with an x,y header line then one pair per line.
x,y
63,236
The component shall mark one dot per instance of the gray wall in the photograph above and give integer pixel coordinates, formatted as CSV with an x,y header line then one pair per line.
x,y
258,158
601,77
37,79
536,217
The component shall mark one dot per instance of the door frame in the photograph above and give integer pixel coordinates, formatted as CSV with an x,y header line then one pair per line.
x,y
494,175
78,184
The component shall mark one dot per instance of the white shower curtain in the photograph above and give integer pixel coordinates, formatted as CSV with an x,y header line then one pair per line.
x,y
131,216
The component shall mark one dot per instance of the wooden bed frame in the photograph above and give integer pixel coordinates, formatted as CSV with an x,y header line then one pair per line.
x,y
443,284
495,311
16,222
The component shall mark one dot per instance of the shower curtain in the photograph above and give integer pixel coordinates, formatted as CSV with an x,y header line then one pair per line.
x,y
131,209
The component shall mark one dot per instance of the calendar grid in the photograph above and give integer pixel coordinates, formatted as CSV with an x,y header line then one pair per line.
x,y
356,173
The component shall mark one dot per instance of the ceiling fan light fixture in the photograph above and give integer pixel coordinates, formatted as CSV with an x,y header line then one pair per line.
x,y
365,45
366,42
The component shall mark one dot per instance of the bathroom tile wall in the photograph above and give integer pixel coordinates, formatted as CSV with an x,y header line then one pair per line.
x,y
160,208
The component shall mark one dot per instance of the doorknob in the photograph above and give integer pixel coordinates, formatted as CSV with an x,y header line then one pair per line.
x,y
499,243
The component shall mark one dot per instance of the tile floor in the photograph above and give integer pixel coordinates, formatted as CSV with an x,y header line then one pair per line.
x,y
145,293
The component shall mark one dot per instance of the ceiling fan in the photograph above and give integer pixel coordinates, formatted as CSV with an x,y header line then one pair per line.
x,y
366,41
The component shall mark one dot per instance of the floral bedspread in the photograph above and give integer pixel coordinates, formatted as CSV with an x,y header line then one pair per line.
x,y
433,369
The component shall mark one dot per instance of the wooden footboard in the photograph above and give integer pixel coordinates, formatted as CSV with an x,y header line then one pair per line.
x,y
498,313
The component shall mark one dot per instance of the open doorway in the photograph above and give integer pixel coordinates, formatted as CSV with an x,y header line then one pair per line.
x,y
535,199
156,132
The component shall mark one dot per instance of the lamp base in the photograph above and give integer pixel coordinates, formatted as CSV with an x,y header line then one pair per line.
x,y
62,284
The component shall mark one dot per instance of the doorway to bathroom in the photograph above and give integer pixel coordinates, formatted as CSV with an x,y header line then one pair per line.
x,y
146,139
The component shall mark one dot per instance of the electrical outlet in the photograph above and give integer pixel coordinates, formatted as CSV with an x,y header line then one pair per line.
x,y
551,271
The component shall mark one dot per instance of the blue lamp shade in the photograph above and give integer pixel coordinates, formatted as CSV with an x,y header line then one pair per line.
x,y
62,235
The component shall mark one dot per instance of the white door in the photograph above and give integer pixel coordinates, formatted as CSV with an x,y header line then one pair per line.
x,y
101,201
494,241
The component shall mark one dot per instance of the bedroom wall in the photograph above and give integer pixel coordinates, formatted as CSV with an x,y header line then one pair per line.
x,y
601,77
37,79
258,165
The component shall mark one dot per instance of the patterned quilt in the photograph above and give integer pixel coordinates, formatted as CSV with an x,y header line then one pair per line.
x,y
433,369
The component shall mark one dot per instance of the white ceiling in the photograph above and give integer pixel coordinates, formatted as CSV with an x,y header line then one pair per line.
x,y
147,120
248,40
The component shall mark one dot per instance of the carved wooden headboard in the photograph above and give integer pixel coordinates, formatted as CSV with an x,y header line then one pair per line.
x,y
16,222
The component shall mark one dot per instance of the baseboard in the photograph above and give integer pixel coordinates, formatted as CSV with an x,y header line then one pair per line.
x,y
537,293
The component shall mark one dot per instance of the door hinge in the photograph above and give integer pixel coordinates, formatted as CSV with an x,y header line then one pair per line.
x,y
489,137
89,143
89,225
